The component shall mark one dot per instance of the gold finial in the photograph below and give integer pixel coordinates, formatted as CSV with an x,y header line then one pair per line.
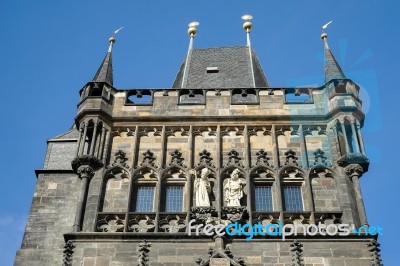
x,y
193,28
247,25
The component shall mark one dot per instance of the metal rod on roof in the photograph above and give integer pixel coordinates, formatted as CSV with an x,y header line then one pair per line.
x,y
192,32
247,25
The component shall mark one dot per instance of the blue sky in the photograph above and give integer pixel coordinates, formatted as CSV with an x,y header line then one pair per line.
x,y
50,49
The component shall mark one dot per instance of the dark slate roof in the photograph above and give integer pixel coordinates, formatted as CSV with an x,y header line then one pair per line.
x,y
332,68
234,66
105,71
72,133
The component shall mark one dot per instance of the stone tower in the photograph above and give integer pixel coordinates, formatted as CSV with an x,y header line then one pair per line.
x,y
143,171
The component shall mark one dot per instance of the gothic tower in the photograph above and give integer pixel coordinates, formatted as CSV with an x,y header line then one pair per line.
x,y
145,175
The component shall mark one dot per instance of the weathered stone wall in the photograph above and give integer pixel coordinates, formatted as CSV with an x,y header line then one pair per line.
x,y
256,252
52,214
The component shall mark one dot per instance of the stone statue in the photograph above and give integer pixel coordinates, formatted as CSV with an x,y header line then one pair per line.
x,y
234,189
202,188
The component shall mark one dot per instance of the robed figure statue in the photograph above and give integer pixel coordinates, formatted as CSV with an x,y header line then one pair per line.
x,y
234,189
202,188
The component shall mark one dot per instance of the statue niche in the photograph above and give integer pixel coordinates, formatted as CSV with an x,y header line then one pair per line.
x,y
234,189
202,188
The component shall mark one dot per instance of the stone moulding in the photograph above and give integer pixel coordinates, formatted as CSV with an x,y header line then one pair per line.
x,y
203,215
86,160
68,252
296,249
354,158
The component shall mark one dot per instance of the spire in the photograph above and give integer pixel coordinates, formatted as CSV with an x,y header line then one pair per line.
x,y
192,32
332,68
105,71
247,25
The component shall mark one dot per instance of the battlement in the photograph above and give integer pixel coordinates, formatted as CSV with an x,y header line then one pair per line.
x,y
319,103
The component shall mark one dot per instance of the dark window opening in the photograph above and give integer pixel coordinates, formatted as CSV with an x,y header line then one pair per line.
x,y
144,199
298,95
140,97
263,199
173,199
292,198
212,70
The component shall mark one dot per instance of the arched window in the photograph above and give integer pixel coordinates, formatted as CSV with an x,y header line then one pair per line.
x,y
174,191
261,187
292,182
143,190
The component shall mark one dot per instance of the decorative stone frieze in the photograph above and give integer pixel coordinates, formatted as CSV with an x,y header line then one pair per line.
x,y
68,252
374,248
296,249
262,158
177,159
173,223
148,159
120,159
354,158
86,165
142,223
203,215
143,253
234,159
235,214
354,170
291,158
111,223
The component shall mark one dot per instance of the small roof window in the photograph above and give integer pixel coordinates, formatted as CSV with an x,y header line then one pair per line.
x,y
212,70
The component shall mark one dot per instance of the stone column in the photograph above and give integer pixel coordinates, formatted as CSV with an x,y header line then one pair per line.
x,y
136,148
104,151
220,196
303,147
247,160
336,133
355,139
83,141
163,147
157,204
79,139
247,150
84,166
100,143
358,129
354,172
189,181
277,184
347,148
91,152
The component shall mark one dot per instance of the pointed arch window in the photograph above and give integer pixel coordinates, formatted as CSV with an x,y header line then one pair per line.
x,y
262,177
293,185
263,198
292,198
144,201
174,190
173,199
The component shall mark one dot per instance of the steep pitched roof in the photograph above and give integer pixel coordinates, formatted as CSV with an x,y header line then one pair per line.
x,y
105,71
229,67
332,68
72,133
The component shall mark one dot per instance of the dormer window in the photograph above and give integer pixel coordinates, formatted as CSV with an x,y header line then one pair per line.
x,y
212,70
